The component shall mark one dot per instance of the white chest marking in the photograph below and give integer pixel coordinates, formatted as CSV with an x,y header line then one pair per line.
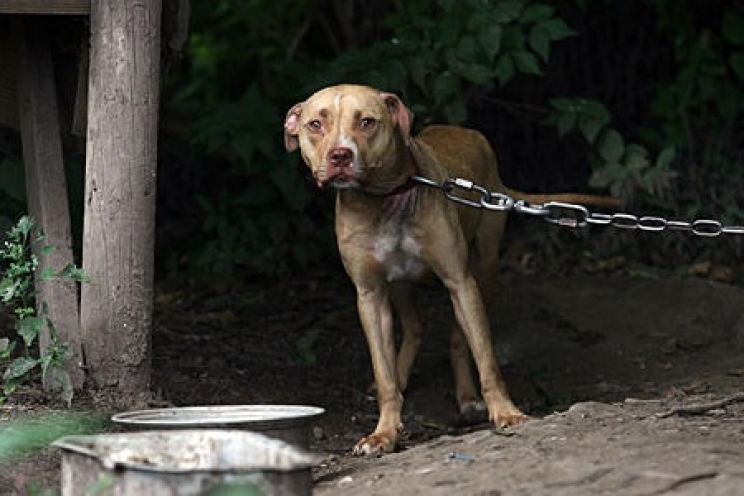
x,y
399,253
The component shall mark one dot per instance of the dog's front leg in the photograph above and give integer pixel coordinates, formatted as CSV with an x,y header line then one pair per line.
x,y
377,320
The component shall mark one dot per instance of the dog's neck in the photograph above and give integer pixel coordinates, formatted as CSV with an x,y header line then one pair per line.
x,y
393,204
414,157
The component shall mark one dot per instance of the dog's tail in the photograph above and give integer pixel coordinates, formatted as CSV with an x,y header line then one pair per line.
x,y
610,202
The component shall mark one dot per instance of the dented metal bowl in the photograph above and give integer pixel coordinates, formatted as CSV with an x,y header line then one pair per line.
x,y
184,463
289,423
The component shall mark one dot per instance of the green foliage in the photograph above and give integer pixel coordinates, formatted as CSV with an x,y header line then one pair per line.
x,y
264,182
439,52
699,111
624,168
18,266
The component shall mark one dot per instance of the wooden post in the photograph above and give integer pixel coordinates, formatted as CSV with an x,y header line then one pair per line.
x,y
46,185
119,225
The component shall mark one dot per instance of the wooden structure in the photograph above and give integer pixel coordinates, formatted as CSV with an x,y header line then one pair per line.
x,y
109,326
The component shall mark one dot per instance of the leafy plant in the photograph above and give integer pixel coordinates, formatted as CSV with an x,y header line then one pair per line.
x,y
440,53
700,109
624,168
19,268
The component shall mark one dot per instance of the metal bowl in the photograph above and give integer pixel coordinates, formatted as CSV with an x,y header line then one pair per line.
x,y
289,423
184,462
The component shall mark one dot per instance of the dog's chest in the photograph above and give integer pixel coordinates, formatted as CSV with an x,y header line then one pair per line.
x,y
399,253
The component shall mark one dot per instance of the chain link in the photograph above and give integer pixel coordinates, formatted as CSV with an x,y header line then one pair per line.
x,y
570,214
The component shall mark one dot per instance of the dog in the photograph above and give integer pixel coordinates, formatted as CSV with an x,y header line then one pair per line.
x,y
392,232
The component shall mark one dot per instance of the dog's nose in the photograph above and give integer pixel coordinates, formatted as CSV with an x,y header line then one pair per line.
x,y
340,157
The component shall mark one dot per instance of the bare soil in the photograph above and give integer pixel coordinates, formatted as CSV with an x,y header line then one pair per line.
x,y
635,384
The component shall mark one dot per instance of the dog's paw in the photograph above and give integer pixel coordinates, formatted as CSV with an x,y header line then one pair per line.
x,y
472,407
374,444
509,416
473,412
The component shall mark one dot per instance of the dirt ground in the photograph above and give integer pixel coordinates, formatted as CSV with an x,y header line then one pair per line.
x,y
635,384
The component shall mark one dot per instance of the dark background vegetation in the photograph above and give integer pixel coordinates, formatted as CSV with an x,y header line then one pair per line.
x,y
642,99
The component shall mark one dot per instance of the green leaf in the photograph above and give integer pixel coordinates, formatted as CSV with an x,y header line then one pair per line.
x,y
636,158
593,118
490,40
29,328
477,73
733,27
611,146
9,289
607,175
507,11
445,87
666,157
557,29
539,42
47,250
24,225
6,348
563,104
566,122
467,49
539,12
504,70
526,62
19,368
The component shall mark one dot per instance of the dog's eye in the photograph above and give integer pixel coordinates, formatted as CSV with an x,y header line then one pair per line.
x,y
367,123
314,125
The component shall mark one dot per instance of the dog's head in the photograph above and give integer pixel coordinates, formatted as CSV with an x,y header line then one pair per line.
x,y
351,137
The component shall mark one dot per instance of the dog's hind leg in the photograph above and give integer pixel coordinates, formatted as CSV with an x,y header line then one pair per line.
x,y
484,261
461,361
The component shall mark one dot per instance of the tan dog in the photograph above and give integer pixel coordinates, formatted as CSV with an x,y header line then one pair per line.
x,y
391,233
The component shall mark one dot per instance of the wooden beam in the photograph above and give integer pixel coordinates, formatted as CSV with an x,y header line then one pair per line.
x,y
120,189
46,185
49,7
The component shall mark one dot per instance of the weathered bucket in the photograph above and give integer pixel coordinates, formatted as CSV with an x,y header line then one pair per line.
x,y
290,423
187,462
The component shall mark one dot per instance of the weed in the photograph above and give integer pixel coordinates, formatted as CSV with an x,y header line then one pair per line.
x,y
19,267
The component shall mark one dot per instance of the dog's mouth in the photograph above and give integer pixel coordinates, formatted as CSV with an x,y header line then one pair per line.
x,y
344,183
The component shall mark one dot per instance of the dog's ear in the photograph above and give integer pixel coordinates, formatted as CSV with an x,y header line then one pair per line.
x,y
292,128
402,116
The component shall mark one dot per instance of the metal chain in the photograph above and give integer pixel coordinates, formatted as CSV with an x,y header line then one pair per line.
x,y
571,214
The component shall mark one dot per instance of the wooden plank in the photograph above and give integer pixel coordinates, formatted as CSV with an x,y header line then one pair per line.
x,y
51,7
120,189
46,184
